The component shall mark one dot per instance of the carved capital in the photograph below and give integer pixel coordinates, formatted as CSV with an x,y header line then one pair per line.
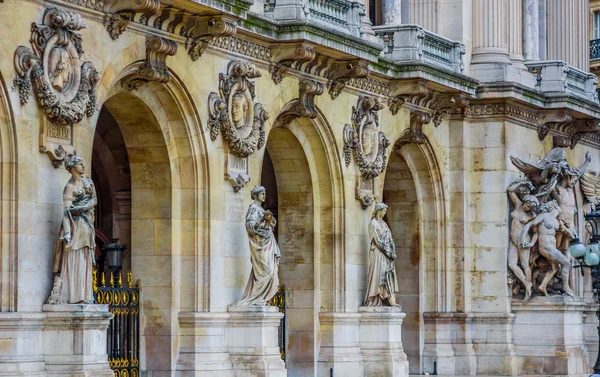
x,y
154,67
414,134
123,12
343,72
286,55
304,105
200,31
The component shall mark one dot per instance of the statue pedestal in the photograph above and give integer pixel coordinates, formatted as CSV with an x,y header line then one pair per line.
x,y
21,352
548,336
74,340
252,338
380,334
340,347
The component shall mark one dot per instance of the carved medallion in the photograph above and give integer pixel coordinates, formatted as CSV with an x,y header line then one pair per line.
x,y
234,113
63,85
368,144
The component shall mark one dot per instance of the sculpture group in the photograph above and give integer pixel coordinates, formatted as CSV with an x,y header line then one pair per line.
x,y
543,224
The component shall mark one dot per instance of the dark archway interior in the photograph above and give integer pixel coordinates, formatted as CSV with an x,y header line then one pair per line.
x,y
269,182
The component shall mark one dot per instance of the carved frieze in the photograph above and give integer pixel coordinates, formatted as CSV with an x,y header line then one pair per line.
x,y
234,113
342,72
304,106
414,134
63,85
200,31
368,144
122,13
286,55
155,66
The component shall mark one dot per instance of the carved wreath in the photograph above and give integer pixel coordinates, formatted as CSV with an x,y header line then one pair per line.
x,y
231,111
64,87
364,138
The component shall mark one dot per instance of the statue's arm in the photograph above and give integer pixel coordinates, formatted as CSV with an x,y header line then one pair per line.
x,y
513,194
67,201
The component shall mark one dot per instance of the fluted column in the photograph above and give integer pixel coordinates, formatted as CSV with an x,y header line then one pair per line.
x,y
531,30
515,32
490,31
424,13
567,28
392,12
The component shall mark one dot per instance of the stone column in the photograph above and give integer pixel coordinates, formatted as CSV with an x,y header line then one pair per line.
x,y
424,13
567,28
392,12
490,31
531,28
515,32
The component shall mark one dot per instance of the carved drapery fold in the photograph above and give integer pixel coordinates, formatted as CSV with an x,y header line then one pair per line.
x,y
63,85
155,66
304,106
123,12
286,55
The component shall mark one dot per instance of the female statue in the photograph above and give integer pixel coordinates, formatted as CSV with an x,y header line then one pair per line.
x,y
521,215
382,284
74,252
264,252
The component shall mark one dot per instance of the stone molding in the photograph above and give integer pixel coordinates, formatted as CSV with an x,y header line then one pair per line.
x,y
63,85
205,30
287,55
155,66
343,72
244,140
304,105
123,12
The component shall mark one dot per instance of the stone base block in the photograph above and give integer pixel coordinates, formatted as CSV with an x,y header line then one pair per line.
x,y
21,351
380,334
548,336
340,353
74,340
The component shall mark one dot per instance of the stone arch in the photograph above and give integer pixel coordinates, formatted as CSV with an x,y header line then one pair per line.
x,y
8,203
308,176
169,183
413,191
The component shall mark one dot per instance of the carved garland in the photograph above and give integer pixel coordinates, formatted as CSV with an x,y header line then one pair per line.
x,y
247,134
65,89
358,138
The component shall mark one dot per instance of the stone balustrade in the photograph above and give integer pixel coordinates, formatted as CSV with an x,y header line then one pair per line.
x,y
413,43
556,76
342,15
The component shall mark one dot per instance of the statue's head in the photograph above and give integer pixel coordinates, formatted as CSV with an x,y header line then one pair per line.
x,y
530,203
549,206
380,208
239,108
59,68
257,191
75,162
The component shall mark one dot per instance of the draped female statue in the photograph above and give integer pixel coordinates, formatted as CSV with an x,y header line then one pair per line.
x,y
382,284
74,251
264,252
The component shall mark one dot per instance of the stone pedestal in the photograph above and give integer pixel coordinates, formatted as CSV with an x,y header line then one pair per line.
x,y
74,340
548,336
340,347
380,334
21,352
253,344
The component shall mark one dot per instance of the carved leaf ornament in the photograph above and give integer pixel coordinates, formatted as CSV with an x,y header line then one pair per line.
x,y
364,138
64,87
234,113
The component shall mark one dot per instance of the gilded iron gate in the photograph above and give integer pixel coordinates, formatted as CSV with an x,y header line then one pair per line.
x,y
279,300
124,330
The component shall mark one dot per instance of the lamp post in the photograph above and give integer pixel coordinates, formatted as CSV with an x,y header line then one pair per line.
x,y
114,252
589,257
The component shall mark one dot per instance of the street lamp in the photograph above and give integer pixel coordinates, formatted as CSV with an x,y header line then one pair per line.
x,y
589,256
114,253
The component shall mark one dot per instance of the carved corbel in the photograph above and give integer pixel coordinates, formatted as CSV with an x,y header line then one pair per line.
x,y
154,67
405,91
123,12
414,134
343,72
200,31
553,118
574,132
448,105
286,55
304,106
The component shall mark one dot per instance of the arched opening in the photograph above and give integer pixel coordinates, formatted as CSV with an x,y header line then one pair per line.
x,y
286,171
399,193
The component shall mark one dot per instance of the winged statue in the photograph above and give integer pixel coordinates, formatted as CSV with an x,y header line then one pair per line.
x,y
545,174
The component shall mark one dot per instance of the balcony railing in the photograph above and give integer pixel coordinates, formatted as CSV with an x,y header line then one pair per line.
x,y
556,76
333,12
413,43
595,49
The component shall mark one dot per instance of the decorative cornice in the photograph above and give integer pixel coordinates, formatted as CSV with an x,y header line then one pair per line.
x,y
203,30
123,12
503,109
343,72
371,85
286,55
414,134
243,47
304,105
155,66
